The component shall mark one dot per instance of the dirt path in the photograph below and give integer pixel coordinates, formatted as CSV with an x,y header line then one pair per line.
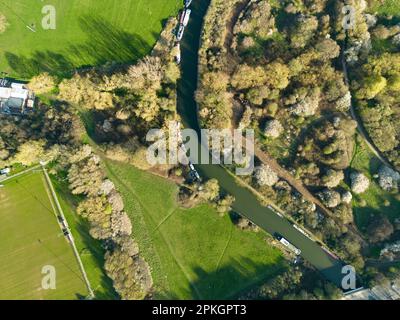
x,y
239,7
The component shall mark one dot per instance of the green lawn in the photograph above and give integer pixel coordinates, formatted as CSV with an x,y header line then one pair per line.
x,y
88,32
387,7
192,253
375,197
31,239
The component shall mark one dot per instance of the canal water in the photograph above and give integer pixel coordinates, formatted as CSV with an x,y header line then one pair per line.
x,y
246,202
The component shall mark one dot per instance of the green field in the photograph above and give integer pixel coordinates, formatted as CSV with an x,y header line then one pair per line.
x,y
375,197
88,32
386,7
31,239
192,253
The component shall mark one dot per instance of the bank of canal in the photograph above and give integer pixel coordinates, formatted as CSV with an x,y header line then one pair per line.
x,y
246,202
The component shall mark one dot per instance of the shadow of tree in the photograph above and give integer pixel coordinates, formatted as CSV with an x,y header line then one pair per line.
x,y
97,252
105,43
233,278
40,61
108,43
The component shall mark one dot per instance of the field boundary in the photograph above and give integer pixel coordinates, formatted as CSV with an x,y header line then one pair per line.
x,y
63,224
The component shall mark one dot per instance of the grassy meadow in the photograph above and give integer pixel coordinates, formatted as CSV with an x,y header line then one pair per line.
x,y
195,253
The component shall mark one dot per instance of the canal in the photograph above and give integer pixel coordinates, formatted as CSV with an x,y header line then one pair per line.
x,y
246,202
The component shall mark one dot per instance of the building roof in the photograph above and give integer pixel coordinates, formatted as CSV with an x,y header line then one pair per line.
x,y
15,98
14,92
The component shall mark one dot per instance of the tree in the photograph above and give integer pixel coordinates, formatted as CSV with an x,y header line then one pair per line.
x,y
246,77
130,275
214,100
265,176
345,212
332,178
86,91
273,129
331,198
277,75
210,191
42,83
257,95
121,224
85,177
224,204
380,229
303,30
256,19
371,87
359,182
328,49
33,151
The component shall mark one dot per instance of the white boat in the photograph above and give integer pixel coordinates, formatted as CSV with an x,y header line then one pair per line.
x,y
301,230
178,57
179,34
276,211
196,174
188,3
185,17
288,245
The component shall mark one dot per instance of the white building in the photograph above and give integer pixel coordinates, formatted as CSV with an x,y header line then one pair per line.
x,y
15,98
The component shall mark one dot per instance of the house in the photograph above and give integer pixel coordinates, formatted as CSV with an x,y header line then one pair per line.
x,y
15,98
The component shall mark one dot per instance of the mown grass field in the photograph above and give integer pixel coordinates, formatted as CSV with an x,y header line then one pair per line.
x,y
374,197
192,253
32,239
88,32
